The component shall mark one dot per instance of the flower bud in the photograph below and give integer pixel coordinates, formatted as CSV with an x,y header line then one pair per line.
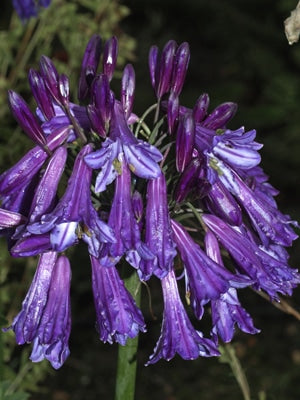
x,y
89,66
200,108
185,139
127,89
181,62
110,55
26,119
220,116
41,94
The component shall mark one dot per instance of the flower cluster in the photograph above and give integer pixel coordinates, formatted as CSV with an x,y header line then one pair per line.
x,y
183,200
29,8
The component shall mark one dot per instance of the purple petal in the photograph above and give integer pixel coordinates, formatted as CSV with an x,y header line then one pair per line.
x,y
64,235
31,246
177,334
207,280
110,54
26,119
26,323
158,229
219,117
153,62
106,159
165,68
8,219
45,193
89,65
127,89
173,112
51,341
185,139
118,317
142,159
41,94
200,108
181,62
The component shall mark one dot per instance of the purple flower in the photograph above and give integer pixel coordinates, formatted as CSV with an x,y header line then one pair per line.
x,y
45,317
43,202
137,205
127,89
41,94
161,68
123,222
26,119
29,8
109,59
118,317
100,111
159,236
181,62
237,148
31,245
141,157
178,334
185,140
219,117
74,216
9,219
221,203
268,221
201,107
188,180
172,112
89,66
227,310
45,194
51,78
267,272
22,173
205,279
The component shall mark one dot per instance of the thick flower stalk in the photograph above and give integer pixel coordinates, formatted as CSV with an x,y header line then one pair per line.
x,y
183,198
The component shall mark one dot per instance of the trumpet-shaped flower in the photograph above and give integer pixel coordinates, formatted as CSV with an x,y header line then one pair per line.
x,y
141,157
45,317
206,280
227,310
178,334
74,216
118,317
158,231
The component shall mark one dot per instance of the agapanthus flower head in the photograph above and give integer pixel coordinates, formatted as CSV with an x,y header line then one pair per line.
x,y
182,194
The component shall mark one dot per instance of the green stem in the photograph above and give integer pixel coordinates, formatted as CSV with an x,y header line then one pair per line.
x,y
127,360
229,356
